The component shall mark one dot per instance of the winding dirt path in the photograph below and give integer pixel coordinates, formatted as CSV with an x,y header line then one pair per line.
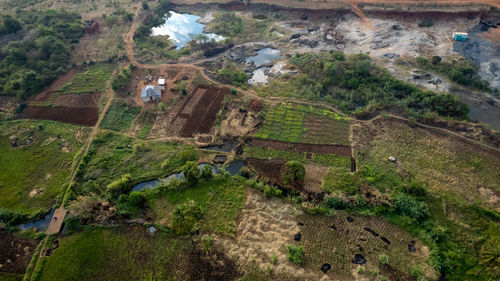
x,y
276,100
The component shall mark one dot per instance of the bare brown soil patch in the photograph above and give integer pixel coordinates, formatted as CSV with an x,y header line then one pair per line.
x,y
86,116
16,252
270,170
339,150
78,100
314,177
238,121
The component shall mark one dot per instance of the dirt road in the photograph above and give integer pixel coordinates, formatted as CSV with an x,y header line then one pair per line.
x,y
332,4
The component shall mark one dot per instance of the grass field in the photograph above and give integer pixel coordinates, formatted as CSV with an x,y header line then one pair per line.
x,y
45,164
119,116
221,198
295,123
112,154
10,277
447,166
115,254
92,80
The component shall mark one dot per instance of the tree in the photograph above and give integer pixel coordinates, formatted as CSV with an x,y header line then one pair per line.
x,y
409,206
294,173
186,217
137,199
121,80
120,186
191,173
206,173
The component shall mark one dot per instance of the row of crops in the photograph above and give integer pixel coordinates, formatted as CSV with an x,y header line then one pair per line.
x,y
298,123
93,80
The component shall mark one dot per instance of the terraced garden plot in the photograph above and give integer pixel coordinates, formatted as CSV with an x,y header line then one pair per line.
x,y
297,123
93,80
336,240
119,116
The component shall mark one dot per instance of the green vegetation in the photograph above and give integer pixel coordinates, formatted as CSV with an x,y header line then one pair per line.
x,y
294,173
93,80
121,80
330,160
296,123
113,155
220,198
119,116
355,85
186,217
227,24
115,254
340,180
37,158
233,76
460,71
31,62
295,253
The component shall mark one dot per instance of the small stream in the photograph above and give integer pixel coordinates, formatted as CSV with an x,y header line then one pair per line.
x,y
41,224
233,168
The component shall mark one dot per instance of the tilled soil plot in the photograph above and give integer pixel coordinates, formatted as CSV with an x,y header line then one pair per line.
x,y
78,100
264,228
338,239
203,115
269,169
86,116
15,253
339,150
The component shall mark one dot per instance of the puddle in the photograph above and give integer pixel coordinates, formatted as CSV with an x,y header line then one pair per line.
x,y
297,237
349,219
333,227
234,167
259,76
359,259
41,224
300,224
227,146
385,240
182,28
325,267
371,231
264,56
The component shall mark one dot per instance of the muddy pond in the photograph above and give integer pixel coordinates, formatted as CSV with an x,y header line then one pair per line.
x,y
182,28
264,57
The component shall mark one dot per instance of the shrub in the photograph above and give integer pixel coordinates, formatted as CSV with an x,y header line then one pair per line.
x,y
409,206
233,76
295,253
336,203
206,173
122,185
294,173
186,217
383,259
274,259
121,80
137,199
191,173
227,24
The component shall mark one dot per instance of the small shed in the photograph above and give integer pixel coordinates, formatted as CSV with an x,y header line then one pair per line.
x,y
151,93
460,36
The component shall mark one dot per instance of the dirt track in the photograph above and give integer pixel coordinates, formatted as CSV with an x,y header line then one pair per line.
x,y
337,3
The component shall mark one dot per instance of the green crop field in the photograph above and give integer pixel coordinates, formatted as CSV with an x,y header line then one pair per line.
x,y
93,80
297,123
330,160
119,116
42,160
221,198
112,154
